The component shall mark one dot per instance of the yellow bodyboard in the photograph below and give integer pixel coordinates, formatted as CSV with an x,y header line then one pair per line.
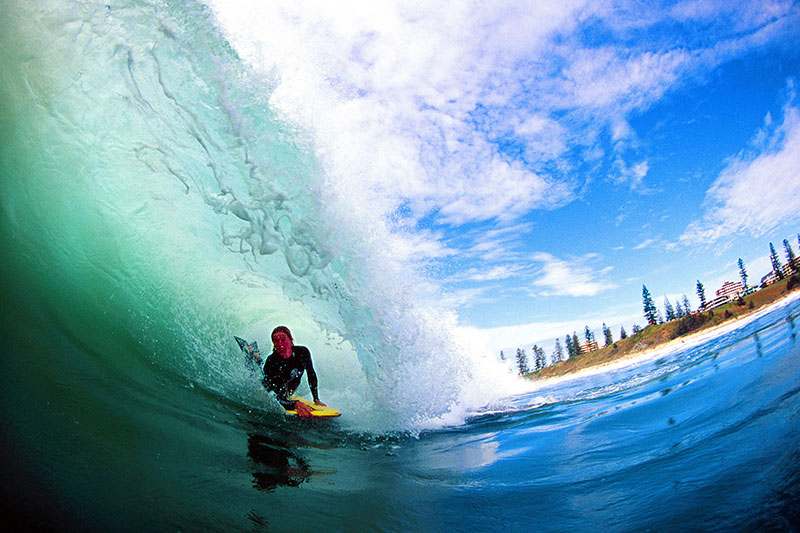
x,y
316,410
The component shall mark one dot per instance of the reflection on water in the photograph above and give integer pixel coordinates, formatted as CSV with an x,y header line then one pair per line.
x,y
275,464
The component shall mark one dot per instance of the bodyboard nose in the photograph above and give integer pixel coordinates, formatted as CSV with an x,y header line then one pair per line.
x,y
251,354
242,343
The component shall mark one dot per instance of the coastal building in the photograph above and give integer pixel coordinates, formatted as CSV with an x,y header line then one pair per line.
x,y
716,302
769,279
587,347
787,270
790,268
730,289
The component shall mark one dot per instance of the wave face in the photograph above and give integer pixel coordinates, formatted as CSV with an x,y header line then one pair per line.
x,y
156,205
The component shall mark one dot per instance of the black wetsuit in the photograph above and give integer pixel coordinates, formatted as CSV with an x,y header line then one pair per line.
x,y
282,376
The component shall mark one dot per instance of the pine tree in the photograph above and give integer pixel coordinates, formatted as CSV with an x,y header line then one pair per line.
x,y
558,352
789,254
576,344
636,329
669,310
742,273
522,361
679,310
776,263
608,335
570,347
649,306
587,333
540,361
701,293
687,309
622,334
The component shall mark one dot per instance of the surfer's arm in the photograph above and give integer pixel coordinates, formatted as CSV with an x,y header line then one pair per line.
x,y
312,379
302,409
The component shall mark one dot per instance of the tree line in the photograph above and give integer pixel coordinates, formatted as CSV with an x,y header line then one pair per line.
x,y
652,315
572,347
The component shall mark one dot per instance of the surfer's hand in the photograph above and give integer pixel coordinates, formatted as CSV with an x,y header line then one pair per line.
x,y
302,409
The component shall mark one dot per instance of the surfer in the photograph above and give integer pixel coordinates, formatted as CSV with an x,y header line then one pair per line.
x,y
283,369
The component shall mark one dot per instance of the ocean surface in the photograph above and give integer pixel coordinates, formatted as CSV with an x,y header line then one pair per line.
x,y
154,203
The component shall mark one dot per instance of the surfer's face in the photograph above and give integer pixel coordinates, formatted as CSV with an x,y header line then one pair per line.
x,y
283,344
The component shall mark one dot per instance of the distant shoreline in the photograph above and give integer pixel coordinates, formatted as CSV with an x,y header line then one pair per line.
x,y
689,340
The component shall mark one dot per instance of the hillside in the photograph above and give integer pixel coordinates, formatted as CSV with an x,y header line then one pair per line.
x,y
654,336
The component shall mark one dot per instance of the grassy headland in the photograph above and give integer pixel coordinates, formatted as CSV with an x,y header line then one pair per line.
x,y
655,336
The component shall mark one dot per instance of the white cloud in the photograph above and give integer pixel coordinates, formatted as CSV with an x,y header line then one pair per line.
x,y
647,243
504,190
494,273
744,16
612,78
756,192
455,298
689,10
545,138
408,103
495,245
632,175
560,278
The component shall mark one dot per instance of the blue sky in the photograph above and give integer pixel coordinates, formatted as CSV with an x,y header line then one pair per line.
x,y
543,160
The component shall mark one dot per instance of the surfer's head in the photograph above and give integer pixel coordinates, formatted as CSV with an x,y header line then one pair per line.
x,y
282,341
282,329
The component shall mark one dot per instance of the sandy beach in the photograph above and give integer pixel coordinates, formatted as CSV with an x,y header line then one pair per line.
x,y
681,343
